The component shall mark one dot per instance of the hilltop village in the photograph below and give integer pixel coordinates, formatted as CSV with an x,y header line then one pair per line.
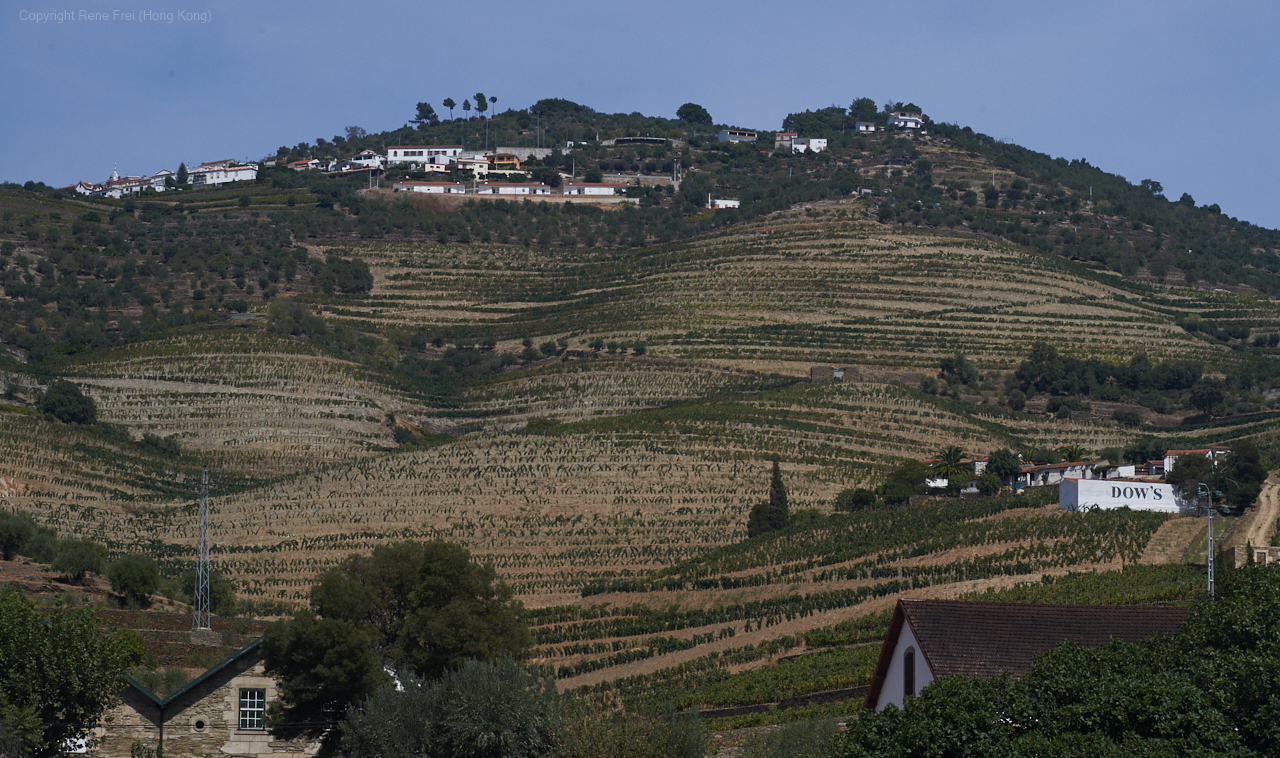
x,y
474,172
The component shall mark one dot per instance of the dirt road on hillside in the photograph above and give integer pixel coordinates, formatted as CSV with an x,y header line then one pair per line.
x,y
1264,517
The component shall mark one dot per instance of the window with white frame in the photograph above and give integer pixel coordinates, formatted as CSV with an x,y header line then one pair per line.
x,y
253,704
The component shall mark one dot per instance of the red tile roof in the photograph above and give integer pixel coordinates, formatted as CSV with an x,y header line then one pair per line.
x,y
988,639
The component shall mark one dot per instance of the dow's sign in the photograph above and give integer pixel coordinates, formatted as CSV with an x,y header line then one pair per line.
x,y
1087,494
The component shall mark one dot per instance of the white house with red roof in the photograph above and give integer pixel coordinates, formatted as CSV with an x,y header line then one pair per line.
x,y
207,175
1212,453
83,188
906,120
432,188
305,164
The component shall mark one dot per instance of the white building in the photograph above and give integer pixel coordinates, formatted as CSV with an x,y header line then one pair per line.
x,y
431,188
422,154
782,140
905,120
1212,453
513,188
720,204
305,164
1087,494
1034,474
83,188
813,144
596,189
864,127
368,159
479,167
214,175
737,135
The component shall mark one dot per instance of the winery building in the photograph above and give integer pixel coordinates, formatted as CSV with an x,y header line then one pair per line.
x,y
220,712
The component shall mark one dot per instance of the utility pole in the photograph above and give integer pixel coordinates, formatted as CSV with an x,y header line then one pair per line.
x,y
1206,495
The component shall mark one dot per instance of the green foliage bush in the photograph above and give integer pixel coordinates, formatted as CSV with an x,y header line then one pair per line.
x,y
492,709
65,402
134,578
78,558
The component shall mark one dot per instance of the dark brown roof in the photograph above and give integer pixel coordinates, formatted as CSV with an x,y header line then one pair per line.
x,y
988,639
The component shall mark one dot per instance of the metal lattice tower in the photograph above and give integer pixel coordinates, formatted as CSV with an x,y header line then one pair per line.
x,y
202,558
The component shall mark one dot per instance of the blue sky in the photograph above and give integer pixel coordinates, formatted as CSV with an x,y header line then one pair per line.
x,y
1183,93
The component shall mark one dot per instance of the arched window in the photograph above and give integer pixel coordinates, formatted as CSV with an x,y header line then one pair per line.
x,y
909,673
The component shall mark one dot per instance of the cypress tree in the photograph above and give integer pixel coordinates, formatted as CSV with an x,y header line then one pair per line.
x,y
779,513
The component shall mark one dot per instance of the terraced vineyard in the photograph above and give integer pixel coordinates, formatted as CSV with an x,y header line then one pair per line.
x,y
610,488
254,402
798,289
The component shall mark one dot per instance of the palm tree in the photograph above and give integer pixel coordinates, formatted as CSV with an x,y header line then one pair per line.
x,y
1072,452
948,462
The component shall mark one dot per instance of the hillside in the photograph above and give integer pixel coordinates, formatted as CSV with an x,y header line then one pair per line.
x,y
589,397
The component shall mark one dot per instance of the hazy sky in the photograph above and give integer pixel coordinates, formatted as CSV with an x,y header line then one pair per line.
x,y
1186,93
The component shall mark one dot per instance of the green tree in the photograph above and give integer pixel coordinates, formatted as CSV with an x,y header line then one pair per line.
x,y
1244,473
59,672
758,519
1004,463
1145,449
493,709
1233,647
78,558
1208,394
863,109
693,113
466,107
593,176
958,370
426,116
134,578
1188,472
431,607
15,530
1073,452
183,176
322,666
482,103
852,500
423,608
949,462
449,103
779,510
65,402
988,483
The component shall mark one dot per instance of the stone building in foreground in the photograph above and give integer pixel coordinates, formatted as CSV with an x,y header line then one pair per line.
x,y
219,713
